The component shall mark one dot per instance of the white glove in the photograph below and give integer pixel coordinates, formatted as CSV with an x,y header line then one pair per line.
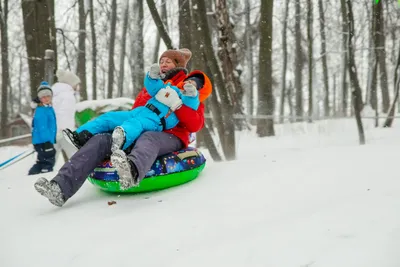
x,y
33,104
169,97
154,71
189,90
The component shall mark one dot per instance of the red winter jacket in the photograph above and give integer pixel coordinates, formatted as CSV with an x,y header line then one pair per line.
x,y
190,121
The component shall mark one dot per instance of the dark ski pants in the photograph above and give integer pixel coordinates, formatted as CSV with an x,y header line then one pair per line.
x,y
45,158
147,148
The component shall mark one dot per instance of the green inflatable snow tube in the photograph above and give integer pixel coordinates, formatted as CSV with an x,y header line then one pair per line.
x,y
167,171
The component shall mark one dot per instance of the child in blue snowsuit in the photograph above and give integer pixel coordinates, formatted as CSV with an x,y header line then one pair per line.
x,y
44,130
155,116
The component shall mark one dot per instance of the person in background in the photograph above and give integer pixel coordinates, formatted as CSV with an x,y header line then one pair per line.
x,y
64,102
44,128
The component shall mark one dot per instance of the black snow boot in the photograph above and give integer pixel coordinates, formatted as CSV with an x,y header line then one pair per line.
x,y
78,140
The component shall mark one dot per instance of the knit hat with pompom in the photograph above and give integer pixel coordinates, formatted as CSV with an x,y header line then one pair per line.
x,y
44,89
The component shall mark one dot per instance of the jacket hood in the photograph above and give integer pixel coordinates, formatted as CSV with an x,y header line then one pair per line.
x,y
60,88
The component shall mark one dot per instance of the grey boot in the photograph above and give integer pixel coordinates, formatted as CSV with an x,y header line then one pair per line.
x,y
126,171
118,138
50,190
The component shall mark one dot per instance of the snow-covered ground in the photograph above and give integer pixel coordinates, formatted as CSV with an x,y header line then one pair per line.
x,y
309,197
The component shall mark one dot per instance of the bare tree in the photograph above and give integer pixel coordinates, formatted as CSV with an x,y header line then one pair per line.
x,y
356,89
123,49
284,64
298,63
380,54
324,57
4,67
266,103
344,67
111,65
160,26
228,58
249,57
184,24
310,59
94,51
137,47
81,69
371,93
390,118
40,34
227,128
198,61
164,19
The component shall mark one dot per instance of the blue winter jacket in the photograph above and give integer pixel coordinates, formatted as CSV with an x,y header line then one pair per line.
x,y
153,86
44,126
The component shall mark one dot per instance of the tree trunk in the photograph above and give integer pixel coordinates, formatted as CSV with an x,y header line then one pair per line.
x,y
380,54
137,48
165,22
20,85
371,93
324,58
121,77
184,24
81,69
159,24
212,148
94,51
265,127
5,76
344,67
228,134
334,109
39,29
111,65
249,57
284,64
228,59
389,120
199,62
310,60
298,64
356,89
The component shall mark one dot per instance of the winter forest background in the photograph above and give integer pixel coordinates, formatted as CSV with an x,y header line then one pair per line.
x,y
271,62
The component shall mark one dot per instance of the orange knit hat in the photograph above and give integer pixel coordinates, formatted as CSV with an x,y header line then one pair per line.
x,y
180,56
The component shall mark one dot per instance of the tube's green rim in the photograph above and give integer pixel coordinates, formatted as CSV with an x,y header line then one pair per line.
x,y
151,183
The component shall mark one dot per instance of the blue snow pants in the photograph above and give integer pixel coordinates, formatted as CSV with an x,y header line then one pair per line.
x,y
134,122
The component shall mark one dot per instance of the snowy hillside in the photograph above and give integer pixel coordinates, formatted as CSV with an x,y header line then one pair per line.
x,y
310,197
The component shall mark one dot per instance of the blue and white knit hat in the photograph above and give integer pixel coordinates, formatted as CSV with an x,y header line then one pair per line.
x,y
44,89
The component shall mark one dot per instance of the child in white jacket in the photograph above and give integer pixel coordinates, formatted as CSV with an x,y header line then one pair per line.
x,y
64,103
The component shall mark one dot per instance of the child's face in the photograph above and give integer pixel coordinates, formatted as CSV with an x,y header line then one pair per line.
x,y
191,82
45,100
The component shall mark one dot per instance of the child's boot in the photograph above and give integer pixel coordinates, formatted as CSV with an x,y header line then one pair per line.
x,y
118,139
78,140
35,169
